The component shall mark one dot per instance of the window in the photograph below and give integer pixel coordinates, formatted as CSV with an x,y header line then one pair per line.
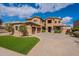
x,y
49,21
55,21
35,20
16,27
58,21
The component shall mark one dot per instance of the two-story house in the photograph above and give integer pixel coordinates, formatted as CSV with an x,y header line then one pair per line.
x,y
52,24
36,25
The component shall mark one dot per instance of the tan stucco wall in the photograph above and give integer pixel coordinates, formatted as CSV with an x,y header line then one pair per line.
x,y
29,29
57,22
49,24
38,20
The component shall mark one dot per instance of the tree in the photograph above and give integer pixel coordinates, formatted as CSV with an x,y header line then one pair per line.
x,y
23,29
75,28
9,28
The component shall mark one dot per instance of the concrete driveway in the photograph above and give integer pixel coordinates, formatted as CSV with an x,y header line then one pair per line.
x,y
55,45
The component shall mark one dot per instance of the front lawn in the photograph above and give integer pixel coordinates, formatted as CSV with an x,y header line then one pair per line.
x,y
19,44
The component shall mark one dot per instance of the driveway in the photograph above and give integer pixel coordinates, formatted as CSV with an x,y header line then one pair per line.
x,y
55,45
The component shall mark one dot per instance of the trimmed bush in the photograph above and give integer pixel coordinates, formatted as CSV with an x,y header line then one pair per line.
x,y
23,29
9,28
43,29
57,31
76,28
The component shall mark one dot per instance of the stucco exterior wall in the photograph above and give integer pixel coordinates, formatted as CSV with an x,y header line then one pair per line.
x,y
54,22
29,29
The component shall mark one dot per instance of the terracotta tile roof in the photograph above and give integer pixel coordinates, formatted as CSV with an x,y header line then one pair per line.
x,y
53,18
31,23
35,17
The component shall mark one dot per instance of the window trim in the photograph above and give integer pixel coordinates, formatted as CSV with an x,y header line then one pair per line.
x,y
49,21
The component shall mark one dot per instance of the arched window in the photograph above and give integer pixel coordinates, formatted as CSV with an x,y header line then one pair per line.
x,y
35,20
55,21
16,27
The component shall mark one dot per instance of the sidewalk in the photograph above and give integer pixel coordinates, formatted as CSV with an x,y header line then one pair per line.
x,y
6,52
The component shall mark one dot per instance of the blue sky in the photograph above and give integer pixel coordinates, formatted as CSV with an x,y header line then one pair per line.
x,y
21,11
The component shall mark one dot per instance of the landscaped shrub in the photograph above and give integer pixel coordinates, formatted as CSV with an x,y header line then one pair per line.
x,y
9,28
57,31
23,29
43,30
76,28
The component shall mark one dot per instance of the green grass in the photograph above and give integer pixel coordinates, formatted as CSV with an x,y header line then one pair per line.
x,y
19,44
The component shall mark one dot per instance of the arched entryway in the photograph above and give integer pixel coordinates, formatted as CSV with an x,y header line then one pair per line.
x,y
33,30
38,30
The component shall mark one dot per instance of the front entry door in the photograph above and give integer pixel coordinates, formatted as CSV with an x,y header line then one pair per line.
x,y
49,29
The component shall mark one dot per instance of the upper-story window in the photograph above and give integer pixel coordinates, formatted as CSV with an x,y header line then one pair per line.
x,y
49,21
55,21
35,20
58,21
16,27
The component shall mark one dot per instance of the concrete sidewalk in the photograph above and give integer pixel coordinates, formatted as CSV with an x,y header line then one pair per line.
x,y
3,34
6,52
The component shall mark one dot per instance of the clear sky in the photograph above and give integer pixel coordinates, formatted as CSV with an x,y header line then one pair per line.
x,y
21,11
